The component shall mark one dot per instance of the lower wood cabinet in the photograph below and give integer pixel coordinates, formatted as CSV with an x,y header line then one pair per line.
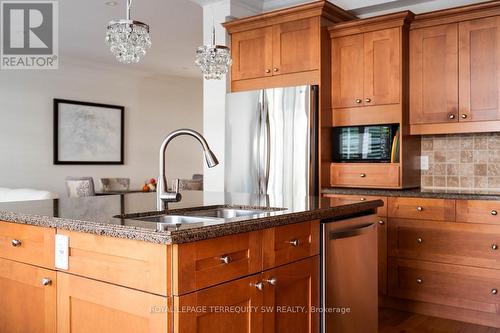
x,y
277,300
85,305
27,298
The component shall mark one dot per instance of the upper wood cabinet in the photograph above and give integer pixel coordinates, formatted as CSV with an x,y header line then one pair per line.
x,y
366,69
434,74
289,42
455,70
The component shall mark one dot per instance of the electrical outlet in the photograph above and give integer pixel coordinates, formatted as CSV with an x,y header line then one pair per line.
x,y
424,162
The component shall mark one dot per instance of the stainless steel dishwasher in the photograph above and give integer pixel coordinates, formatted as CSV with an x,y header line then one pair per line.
x,y
349,276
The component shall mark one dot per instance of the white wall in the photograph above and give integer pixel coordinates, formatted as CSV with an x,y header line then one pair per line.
x,y
153,108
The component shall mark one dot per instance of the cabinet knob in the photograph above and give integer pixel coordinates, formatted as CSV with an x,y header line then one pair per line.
x,y
368,100
272,281
276,70
419,280
494,247
494,291
419,240
225,259
420,208
362,199
451,116
294,242
268,71
494,212
258,285
381,222
16,243
362,175
358,101
464,116
46,282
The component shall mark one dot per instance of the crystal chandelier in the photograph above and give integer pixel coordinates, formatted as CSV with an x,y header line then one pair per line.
x,y
128,40
213,60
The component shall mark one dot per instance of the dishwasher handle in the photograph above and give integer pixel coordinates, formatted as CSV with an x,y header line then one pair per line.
x,y
351,232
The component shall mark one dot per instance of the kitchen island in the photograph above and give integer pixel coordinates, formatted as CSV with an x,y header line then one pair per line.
x,y
92,264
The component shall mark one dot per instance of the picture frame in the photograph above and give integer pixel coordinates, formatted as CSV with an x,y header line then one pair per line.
x,y
87,133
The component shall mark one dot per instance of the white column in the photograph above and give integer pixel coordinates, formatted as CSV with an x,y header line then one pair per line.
x,y
214,91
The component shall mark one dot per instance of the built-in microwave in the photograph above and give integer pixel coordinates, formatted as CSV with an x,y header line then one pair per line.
x,y
372,143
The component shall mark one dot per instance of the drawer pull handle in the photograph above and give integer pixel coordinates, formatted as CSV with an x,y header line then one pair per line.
x,y
294,242
268,71
362,199
276,70
494,247
368,100
494,291
381,222
419,240
225,259
494,212
464,116
451,116
419,280
358,101
46,282
16,243
258,285
420,208
272,281
362,175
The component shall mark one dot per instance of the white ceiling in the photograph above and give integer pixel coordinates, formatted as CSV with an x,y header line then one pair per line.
x,y
176,32
176,28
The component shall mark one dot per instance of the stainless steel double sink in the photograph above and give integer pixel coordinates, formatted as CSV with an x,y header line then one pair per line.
x,y
206,215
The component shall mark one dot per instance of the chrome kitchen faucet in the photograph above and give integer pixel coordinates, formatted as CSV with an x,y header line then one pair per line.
x,y
163,196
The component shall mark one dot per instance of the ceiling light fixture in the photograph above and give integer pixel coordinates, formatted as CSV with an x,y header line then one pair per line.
x,y
214,60
128,40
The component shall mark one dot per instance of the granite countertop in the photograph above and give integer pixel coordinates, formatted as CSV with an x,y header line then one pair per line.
x,y
110,215
419,193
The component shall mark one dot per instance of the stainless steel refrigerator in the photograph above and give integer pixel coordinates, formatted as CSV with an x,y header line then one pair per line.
x,y
271,144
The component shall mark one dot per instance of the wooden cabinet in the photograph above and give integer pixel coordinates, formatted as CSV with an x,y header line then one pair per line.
x,y
85,305
478,211
455,71
293,292
230,307
295,46
366,69
27,298
365,175
479,78
422,208
252,53
434,74
27,243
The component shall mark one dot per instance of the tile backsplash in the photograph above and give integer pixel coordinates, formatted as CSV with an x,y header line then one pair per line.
x,y
462,162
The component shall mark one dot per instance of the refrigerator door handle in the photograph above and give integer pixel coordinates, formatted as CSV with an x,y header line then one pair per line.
x,y
257,139
267,145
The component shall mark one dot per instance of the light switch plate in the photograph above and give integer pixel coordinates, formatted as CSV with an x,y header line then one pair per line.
x,y
62,251
424,162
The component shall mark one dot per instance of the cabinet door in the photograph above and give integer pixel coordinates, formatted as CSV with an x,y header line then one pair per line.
x,y
85,305
291,291
296,46
27,305
227,308
252,53
479,43
434,74
347,71
382,67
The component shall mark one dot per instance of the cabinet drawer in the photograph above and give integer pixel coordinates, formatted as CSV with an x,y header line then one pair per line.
x,y
210,262
449,242
27,244
477,211
421,208
125,262
365,175
459,286
286,244
338,199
